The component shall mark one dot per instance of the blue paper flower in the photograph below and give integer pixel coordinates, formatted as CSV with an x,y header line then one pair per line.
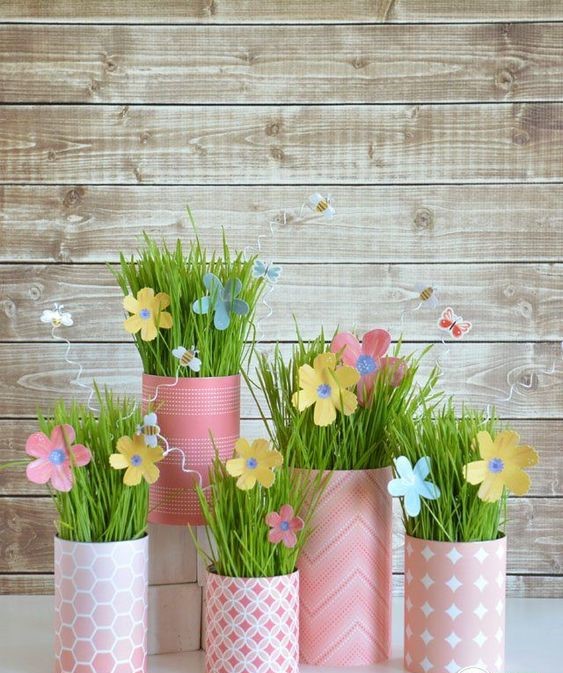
x,y
411,484
221,300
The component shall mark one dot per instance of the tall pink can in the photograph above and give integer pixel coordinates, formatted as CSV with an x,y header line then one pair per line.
x,y
454,605
101,593
190,412
346,574
252,624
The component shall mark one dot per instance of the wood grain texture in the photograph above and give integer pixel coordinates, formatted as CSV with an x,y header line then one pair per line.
x,y
174,618
512,302
518,586
293,145
263,64
534,535
547,481
372,224
478,373
271,11
172,554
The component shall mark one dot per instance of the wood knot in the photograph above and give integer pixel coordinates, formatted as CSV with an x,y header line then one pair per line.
x,y
277,153
509,291
9,308
408,136
110,65
210,9
526,309
273,129
520,137
359,63
144,137
138,174
73,197
94,86
35,291
51,155
423,219
123,112
504,79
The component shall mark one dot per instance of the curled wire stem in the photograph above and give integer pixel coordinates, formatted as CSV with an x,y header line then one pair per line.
x,y
440,357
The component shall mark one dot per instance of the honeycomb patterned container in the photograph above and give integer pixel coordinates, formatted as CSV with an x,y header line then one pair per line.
x,y
454,605
345,570
190,411
101,606
252,624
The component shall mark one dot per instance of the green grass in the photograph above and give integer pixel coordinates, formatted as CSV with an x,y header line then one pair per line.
x,y
99,508
458,515
180,275
236,522
358,441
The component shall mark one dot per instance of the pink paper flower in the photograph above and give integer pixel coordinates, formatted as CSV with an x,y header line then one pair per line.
x,y
284,526
369,358
53,460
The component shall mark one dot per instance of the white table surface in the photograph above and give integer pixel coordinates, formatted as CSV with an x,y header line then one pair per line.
x,y
534,639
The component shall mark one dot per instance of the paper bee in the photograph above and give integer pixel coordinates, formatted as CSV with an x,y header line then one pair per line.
x,y
57,317
321,204
187,358
427,295
454,324
150,430
269,272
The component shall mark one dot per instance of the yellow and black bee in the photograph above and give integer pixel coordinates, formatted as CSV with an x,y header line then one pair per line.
x,y
187,358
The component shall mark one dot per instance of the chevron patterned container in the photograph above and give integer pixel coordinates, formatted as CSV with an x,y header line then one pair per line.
x,y
101,593
454,605
190,411
345,573
252,625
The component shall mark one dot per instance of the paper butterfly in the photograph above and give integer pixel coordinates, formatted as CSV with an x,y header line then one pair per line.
x,y
221,300
270,272
188,358
57,317
150,430
427,295
322,204
454,324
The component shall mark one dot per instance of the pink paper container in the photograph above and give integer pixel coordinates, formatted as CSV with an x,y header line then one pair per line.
x,y
101,606
252,624
188,411
454,605
345,571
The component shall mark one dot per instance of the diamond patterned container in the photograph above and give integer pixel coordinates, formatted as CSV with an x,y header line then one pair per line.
x,y
189,411
252,625
345,570
101,606
454,605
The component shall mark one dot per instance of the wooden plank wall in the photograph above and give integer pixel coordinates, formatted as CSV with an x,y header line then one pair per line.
x,y
436,126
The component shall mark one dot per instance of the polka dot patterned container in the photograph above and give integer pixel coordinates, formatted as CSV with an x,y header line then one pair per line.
x,y
454,605
189,412
101,606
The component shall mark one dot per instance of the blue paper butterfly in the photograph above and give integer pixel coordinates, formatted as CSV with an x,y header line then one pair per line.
x,y
221,300
270,272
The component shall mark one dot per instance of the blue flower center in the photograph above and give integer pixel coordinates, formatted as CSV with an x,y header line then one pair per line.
x,y
284,525
496,465
366,365
323,391
144,313
251,463
57,457
136,460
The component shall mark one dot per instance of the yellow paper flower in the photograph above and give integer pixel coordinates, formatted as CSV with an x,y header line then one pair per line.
x,y
148,313
325,386
138,459
255,463
501,466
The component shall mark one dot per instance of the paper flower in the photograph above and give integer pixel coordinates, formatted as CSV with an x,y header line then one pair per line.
x,y
369,358
137,459
324,385
501,466
221,300
255,463
148,313
57,317
411,485
56,455
284,526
